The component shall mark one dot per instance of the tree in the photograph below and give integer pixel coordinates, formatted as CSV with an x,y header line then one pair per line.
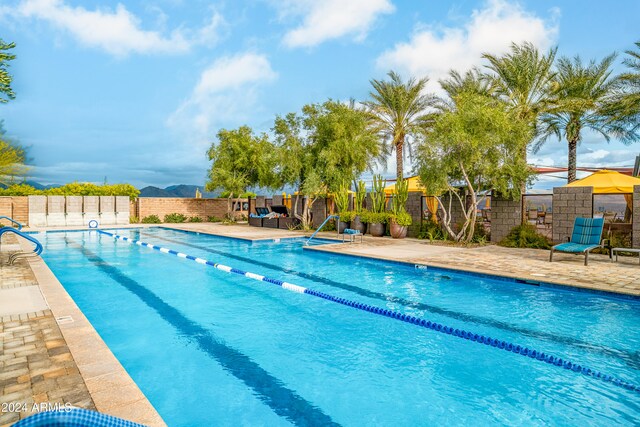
x,y
474,146
582,94
625,105
240,160
6,93
326,146
399,110
12,158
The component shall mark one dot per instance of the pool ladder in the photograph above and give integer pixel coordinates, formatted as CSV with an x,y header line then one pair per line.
x,y
21,254
320,228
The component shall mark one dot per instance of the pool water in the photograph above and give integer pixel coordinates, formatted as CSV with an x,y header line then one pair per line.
x,y
211,348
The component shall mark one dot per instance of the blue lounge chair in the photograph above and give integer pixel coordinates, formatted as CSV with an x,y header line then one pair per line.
x,y
586,236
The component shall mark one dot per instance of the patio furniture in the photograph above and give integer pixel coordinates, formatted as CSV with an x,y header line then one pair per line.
x,y
351,233
257,219
533,216
586,236
548,220
615,252
286,222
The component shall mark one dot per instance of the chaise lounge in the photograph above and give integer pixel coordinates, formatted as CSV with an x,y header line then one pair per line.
x,y
586,236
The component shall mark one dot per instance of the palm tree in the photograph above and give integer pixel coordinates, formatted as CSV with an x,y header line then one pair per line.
x,y
582,94
472,82
399,110
522,78
626,105
5,77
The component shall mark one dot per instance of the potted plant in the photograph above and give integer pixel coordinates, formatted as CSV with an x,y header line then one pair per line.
x,y
356,221
375,221
341,199
378,217
401,220
399,225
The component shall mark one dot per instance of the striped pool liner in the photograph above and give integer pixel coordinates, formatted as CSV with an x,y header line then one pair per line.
x,y
470,336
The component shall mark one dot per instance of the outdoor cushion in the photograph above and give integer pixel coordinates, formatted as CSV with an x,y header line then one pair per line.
x,y
351,231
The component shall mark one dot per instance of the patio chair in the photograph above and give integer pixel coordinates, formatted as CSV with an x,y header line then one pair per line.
x,y
586,236
532,216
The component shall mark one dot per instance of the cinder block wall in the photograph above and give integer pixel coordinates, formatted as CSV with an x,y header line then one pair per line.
x,y
568,204
414,208
202,208
319,212
505,215
636,216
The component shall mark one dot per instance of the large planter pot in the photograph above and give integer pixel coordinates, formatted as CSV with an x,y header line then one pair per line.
x,y
341,226
398,231
356,224
376,229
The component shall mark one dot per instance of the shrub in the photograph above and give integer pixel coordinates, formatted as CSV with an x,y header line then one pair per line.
x,y
374,217
346,216
431,230
214,219
151,219
329,226
73,189
525,236
195,219
175,218
134,219
402,218
481,235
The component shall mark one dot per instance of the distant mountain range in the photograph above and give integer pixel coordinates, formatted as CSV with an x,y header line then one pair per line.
x,y
181,190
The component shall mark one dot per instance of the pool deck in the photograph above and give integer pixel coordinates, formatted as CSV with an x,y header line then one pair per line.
x,y
50,353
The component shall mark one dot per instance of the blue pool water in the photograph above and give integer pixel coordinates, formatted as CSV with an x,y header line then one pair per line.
x,y
208,347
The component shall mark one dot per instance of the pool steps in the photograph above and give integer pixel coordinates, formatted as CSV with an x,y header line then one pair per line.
x,y
470,336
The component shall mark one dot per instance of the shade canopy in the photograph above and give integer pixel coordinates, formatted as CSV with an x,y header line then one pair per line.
x,y
607,182
414,186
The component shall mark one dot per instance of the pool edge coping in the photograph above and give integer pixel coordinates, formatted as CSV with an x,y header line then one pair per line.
x,y
103,374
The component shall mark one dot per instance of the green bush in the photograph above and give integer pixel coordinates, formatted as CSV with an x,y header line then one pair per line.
x,y
431,230
174,218
195,219
151,219
73,189
369,217
525,236
346,216
134,219
214,219
480,235
245,195
402,218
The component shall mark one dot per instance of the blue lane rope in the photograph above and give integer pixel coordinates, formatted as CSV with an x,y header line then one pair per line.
x,y
467,335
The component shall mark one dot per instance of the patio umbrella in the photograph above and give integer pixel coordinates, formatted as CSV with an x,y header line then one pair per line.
x,y
414,186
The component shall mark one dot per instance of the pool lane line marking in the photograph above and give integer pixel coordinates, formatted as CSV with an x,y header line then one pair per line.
x,y
480,339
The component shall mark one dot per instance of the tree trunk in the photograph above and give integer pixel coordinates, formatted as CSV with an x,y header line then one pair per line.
x,y
230,206
399,159
571,167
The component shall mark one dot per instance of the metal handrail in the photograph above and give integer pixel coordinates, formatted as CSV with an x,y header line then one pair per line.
x,y
12,220
320,228
37,251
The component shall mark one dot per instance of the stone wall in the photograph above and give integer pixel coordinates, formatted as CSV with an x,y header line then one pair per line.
x,y
636,216
505,215
319,212
202,208
568,204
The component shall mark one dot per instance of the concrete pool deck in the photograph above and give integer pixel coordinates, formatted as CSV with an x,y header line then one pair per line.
x,y
54,355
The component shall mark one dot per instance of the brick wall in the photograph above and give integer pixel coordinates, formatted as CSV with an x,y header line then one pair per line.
x,y
202,208
505,215
636,216
16,207
568,204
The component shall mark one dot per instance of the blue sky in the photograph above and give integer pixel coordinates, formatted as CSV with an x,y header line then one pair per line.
x,y
136,91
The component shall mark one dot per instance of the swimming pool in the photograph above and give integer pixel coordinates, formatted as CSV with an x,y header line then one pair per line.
x,y
209,347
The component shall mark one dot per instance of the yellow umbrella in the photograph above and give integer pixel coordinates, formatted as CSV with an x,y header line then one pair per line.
x,y
414,186
607,182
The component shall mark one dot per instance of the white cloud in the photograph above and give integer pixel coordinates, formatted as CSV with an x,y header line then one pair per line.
x,y
118,31
433,51
324,20
226,94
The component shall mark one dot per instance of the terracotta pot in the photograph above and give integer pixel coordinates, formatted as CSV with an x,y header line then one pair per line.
x,y
376,229
356,224
398,231
342,226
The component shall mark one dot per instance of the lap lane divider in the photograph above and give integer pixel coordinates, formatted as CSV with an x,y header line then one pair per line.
x,y
470,336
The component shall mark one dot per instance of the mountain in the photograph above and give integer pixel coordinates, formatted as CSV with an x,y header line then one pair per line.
x,y
181,190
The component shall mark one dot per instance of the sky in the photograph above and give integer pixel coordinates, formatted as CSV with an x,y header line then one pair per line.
x,y
135,91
